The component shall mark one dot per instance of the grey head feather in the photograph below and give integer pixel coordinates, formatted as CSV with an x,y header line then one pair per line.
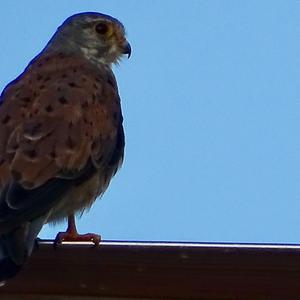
x,y
77,35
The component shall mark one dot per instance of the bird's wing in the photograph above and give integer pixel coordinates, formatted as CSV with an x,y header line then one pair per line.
x,y
59,119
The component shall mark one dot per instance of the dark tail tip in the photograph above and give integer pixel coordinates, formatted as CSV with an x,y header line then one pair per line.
x,y
8,269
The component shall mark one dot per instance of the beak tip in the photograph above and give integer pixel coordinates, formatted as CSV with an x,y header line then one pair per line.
x,y
127,49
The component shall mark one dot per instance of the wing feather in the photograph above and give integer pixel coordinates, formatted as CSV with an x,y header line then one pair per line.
x,y
60,115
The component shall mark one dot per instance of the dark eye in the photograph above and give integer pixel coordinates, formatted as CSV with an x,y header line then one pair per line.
x,y
101,28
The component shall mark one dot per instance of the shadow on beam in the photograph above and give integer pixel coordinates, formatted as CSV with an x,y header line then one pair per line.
x,y
159,271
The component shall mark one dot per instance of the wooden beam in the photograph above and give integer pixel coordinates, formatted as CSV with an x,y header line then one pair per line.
x,y
159,271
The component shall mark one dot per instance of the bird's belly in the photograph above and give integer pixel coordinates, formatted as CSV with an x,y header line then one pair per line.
x,y
77,199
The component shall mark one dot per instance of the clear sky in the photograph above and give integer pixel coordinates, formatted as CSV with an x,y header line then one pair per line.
x,y
211,102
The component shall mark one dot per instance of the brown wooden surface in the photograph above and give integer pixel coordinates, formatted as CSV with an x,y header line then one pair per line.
x,y
160,271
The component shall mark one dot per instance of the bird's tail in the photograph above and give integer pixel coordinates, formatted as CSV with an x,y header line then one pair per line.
x,y
16,246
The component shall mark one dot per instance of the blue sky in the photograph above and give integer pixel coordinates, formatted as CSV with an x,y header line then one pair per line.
x,y
211,102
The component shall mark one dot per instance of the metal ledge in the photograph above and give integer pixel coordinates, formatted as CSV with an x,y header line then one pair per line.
x,y
146,270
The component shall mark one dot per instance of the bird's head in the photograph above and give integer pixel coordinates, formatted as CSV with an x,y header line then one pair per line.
x,y
99,37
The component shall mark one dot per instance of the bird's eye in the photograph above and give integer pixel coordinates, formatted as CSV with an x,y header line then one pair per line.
x,y
101,28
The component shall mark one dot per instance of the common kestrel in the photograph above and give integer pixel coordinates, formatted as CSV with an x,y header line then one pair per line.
x,y
61,134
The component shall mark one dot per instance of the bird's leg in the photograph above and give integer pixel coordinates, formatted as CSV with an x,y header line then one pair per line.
x,y
71,235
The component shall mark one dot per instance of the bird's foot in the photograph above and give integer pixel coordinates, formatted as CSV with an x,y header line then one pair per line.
x,y
75,237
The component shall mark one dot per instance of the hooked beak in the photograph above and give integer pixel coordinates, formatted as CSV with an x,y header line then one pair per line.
x,y
127,49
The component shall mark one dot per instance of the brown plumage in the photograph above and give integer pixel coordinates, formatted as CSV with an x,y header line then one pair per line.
x,y
61,133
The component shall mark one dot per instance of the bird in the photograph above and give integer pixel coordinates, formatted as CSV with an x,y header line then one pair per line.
x,y
61,134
